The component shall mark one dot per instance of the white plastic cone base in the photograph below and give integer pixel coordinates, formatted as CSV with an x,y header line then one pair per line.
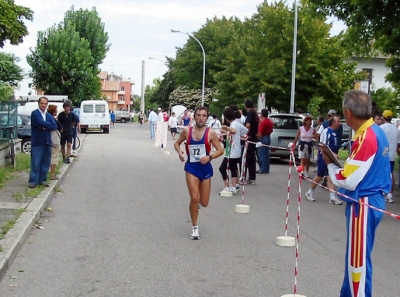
x,y
224,193
286,241
241,208
293,295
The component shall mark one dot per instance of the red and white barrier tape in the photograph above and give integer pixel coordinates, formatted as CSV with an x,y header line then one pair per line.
x,y
300,171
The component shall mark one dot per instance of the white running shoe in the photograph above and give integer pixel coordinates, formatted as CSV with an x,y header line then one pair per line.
x,y
310,196
195,233
389,198
237,187
233,190
226,189
335,201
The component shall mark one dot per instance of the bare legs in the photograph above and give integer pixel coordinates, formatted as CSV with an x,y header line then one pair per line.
x,y
199,192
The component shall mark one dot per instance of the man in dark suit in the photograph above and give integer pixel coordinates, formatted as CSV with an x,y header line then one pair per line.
x,y
41,124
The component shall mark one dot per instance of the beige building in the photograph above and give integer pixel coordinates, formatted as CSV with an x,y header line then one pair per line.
x,y
116,90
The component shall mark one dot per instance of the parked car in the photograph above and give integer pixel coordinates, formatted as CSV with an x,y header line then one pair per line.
x,y
23,129
285,130
122,116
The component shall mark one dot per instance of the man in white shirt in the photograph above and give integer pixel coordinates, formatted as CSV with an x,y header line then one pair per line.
x,y
392,134
153,120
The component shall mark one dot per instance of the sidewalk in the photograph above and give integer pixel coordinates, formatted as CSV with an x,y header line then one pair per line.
x,y
13,200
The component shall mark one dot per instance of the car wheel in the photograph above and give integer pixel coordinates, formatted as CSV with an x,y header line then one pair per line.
x,y
123,121
26,146
106,130
83,130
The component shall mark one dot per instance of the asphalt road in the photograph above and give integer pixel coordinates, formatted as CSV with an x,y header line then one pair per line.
x,y
121,227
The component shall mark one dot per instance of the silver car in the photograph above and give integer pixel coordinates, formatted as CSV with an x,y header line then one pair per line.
x,y
285,130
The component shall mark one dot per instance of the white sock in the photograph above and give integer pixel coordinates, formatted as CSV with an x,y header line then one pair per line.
x,y
195,227
332,196
310,191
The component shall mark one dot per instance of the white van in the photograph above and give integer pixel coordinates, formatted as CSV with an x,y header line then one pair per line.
x,y
94,116
31,106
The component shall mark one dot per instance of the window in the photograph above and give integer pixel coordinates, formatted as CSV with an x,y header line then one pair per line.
x,y
369,77
100,108
122,88
121,98
88,109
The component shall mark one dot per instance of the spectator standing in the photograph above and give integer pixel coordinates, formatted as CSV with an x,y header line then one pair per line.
x,y
364,177
325,124
112,118
67,121
153,120
75,129
392,134
330,138
41,124
140,118
214,124
198,168
265,129
233,150
305,134
173,125
55,140
252,121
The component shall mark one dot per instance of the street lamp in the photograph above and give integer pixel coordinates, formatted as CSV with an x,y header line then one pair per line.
x,y
151,58
204,62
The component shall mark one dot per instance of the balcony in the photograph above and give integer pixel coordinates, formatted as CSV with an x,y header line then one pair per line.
x,y
121,92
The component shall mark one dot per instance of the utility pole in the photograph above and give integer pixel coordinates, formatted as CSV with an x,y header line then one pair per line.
x,y
293,88
142,94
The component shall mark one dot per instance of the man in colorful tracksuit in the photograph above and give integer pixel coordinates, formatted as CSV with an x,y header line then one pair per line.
x,y
365,178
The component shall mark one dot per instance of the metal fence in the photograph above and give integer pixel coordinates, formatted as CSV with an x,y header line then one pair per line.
x,y
8,118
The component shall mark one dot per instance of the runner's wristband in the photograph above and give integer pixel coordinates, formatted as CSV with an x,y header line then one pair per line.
x,y
210,157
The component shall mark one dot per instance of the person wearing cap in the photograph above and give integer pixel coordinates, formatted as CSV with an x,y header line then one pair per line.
x,y
67,121
325,124
392,134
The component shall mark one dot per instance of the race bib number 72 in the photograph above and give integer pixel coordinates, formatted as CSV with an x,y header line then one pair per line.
x,y
196,152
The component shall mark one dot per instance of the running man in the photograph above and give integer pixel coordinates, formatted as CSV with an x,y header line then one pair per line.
x,y
198,166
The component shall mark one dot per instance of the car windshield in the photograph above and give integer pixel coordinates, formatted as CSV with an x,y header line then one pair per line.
x,y
286,122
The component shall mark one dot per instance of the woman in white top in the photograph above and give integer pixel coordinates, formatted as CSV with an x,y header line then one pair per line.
x,y
235,129
305,134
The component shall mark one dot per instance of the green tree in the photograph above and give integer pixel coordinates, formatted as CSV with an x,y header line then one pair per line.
x,y
386,98
89,26
6,91
67,57
266,49
10,72
12,25
62,64
189,98
369,20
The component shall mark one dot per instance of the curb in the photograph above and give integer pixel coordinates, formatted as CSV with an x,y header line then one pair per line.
x,y
16,237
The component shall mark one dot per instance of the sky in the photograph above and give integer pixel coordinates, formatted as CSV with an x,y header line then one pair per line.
x,y
137,29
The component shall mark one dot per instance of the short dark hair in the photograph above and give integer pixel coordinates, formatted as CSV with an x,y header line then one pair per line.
x,y
249,103
43,98
229,114
264,113
200,108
